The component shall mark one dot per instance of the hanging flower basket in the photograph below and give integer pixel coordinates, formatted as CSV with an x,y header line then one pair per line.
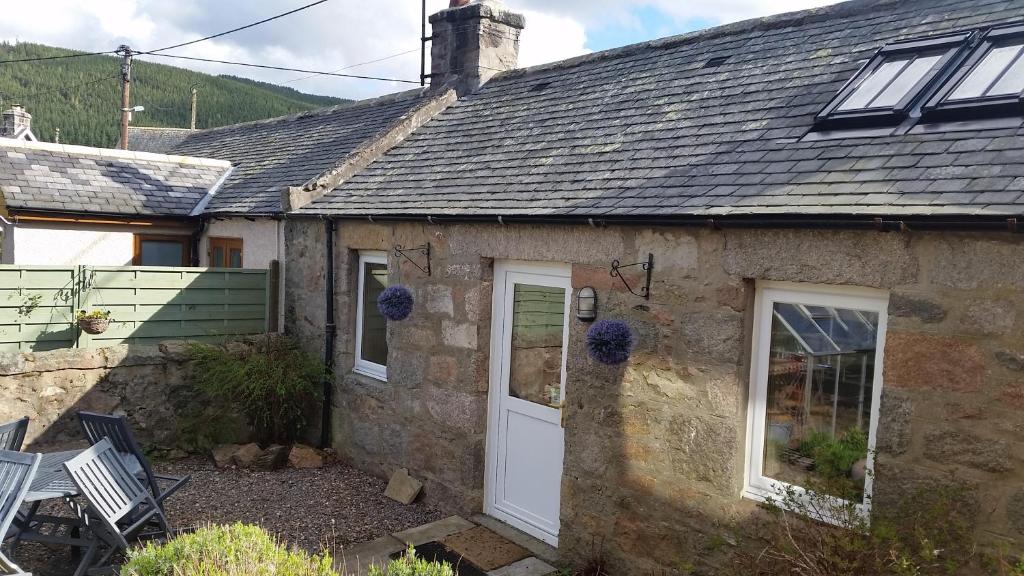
x,y
395,302
95,322
610,341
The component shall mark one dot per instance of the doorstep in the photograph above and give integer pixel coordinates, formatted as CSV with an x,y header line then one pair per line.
x,y
356,559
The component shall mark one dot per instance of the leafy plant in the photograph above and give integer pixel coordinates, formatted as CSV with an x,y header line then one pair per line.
x,y
409,565
926,534
94,315
273,383
833,457
30,304
235,550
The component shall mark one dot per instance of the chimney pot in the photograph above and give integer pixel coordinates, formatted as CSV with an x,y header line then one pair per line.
x,y
473,41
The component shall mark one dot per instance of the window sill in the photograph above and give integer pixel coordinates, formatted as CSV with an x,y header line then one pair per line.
x,y
371,373
769,497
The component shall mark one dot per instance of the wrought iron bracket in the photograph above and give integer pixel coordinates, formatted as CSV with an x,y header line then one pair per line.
x,y
423,250
648,266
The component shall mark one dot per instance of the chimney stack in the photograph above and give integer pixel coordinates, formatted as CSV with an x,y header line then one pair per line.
x,y
473,41
15,121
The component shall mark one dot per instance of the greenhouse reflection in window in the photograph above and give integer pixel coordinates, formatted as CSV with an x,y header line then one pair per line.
x,y
820,379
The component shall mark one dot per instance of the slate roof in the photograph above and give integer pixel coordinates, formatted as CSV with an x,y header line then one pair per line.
x,y
38,176
647,131
153,139
270,155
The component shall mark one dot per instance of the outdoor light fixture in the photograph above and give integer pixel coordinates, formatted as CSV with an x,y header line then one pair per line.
x,y
586,304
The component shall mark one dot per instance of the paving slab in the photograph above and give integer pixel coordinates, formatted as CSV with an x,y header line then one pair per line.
x,y
538,548
531,566
434,531
356,560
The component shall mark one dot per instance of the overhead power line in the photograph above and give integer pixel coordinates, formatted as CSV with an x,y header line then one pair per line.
x,y
267,67
61,57
17,97
211,37
350,66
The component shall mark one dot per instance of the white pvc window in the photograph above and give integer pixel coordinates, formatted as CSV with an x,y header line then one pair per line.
x,y
371,326
816,382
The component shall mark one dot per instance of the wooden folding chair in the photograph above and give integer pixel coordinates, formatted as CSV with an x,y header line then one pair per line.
x,y
16,472
12,434
115,428
118,508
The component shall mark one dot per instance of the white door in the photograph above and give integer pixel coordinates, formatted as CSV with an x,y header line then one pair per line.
x,y
525,446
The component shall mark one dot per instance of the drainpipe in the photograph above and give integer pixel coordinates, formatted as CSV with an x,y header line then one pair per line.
x,y
197,243
329,332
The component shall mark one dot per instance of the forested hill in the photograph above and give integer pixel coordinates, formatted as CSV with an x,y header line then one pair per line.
x,y
82,96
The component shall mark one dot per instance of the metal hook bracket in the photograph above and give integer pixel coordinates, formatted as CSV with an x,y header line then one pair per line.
x,y
423,250
648,266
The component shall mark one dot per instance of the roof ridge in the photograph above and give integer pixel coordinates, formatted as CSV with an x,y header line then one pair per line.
x,y
164,128
111,153
771,22
386,98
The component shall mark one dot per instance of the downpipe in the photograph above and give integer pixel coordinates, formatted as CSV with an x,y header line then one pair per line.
x,y
329,334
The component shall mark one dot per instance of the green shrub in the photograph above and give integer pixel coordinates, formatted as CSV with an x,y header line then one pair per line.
x,y
273,383
236,550
927,533
410,565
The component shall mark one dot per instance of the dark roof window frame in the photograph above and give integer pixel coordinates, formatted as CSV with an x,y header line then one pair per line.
x,y
944,107
940,50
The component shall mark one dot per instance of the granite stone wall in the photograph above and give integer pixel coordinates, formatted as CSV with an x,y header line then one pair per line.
x,y
654,450
149,384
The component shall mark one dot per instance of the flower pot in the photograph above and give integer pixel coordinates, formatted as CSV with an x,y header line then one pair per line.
x,y
94,325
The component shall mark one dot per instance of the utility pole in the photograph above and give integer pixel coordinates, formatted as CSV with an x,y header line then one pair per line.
x,y
126,79
195,92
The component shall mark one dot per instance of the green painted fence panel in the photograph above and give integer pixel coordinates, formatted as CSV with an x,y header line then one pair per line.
x,y
147,304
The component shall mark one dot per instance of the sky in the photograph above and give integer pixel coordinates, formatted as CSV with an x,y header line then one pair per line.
x,y
339,35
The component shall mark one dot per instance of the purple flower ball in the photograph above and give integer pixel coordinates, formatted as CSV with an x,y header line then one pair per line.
x,y
610,341
395,302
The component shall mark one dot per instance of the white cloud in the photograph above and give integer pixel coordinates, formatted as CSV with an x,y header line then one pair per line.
x,y
333,35
549,38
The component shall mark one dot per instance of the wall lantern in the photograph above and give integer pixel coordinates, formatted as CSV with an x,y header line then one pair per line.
x,y
586,304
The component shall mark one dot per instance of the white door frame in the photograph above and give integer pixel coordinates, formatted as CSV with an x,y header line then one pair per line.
x,y
499,309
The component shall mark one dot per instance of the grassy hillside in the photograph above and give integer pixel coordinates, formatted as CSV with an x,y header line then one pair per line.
x,y
82,96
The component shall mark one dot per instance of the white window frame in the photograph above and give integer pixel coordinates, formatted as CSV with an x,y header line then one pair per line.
x,y
365,367
755,485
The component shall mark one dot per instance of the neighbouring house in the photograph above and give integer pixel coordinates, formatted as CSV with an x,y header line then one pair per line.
x,y
75,205
159,140
809,223
17,124
283,163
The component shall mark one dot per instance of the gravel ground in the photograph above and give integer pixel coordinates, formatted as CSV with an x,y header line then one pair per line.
x,y
328,507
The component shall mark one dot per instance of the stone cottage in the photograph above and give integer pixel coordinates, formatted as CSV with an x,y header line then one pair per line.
x,y
809,222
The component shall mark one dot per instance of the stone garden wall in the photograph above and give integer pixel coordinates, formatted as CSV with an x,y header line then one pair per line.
x,y
654,450
149,384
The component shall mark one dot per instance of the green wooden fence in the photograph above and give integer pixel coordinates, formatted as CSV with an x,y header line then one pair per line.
x,y
147,304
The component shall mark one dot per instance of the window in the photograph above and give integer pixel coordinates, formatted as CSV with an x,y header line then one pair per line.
x,y
989,83
161,250
888,87
225,252
816,379
371,326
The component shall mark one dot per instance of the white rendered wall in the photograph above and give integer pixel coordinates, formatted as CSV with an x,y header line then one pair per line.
x,y
259,240
75,244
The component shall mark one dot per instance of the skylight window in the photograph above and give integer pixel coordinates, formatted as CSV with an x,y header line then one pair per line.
x,y
989,83
887,88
